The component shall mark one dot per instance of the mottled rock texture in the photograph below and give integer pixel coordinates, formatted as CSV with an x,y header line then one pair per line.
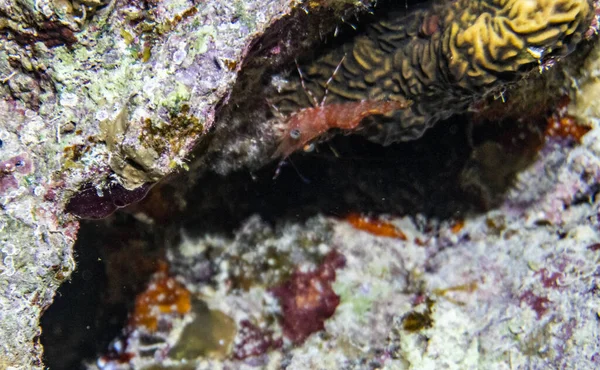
x,y
93,93
444,59
99,100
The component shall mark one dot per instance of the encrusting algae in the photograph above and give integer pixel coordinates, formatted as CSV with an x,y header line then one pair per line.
x,y
164,296
423,66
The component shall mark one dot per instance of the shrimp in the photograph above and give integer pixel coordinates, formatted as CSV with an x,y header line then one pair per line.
x,y
309,123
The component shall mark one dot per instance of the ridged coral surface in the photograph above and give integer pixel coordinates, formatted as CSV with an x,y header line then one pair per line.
x,y
443,58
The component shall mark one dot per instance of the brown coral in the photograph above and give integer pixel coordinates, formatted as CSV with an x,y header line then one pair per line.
x,y
443,58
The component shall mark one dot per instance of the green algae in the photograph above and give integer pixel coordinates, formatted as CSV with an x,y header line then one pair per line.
x,y
416,321
169,136
210,334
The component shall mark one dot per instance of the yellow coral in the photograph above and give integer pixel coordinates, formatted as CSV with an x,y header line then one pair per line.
x,y
442,58
498,41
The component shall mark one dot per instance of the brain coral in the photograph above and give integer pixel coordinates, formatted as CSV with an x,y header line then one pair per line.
x,y
442,58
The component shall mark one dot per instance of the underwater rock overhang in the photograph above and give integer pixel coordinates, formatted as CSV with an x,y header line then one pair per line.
x,y
427,30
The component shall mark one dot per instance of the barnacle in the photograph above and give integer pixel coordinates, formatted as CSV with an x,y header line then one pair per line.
x,y
442,58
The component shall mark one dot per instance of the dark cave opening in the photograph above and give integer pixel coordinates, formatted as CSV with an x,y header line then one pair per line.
x,y
349,174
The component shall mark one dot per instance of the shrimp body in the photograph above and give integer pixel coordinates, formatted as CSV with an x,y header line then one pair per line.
x,y
310,123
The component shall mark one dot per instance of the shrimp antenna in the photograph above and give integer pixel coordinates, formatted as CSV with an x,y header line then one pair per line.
x,y
308,93
349,24
284,162
331,79
275,110
278,169
304,179
335,152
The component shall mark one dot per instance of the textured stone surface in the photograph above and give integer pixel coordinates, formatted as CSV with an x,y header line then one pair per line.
x,y
516,285
97,96
86,91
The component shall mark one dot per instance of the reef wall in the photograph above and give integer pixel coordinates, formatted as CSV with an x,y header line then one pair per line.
x,y
475,246
99,98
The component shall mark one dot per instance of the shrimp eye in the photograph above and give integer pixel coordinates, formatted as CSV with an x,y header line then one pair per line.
x,y
309,147
295,134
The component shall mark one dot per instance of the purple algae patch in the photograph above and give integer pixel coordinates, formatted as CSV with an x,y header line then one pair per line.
x,y
18,164
308,299
252,341
93,204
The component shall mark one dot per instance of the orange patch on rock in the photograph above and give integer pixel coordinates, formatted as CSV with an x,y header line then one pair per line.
x,y
561,124
163,296
375,227
457,226
566,127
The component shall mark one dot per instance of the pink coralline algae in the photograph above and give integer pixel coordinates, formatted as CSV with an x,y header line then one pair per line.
x,y
307,299
537,303
540,303
93,204
18,164
550,280
251,341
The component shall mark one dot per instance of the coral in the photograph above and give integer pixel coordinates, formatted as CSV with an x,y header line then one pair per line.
x,y
108,82
134,164
65,67
229,325
415,321
499,280
507,142
563,125
444,59
41,28
50,33
165,136
539,304
210,334
20,164
458,226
